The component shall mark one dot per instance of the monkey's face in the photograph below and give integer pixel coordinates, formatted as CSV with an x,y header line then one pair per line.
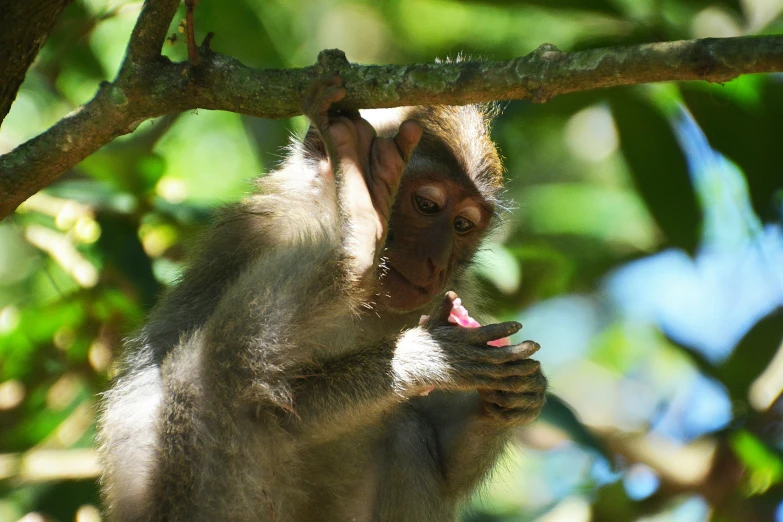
x,y
436,224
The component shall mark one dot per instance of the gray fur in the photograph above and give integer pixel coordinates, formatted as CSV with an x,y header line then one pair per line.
x,y
266,386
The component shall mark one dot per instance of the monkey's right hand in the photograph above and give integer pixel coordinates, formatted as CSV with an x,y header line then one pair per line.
x,y
451,357
368,168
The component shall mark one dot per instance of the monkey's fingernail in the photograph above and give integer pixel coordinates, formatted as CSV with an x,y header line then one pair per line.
x,y
514,327
530,347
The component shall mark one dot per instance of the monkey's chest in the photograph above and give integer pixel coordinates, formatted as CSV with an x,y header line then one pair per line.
x,y
342,476
381,472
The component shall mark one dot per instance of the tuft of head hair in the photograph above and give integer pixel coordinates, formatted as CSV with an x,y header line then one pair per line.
x,y
464,132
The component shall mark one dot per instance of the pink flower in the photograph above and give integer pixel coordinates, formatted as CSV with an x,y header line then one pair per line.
x,y
459,315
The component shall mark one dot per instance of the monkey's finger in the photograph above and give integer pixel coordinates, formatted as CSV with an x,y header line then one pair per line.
x,y
328,96
356,198
477,379
341,140
342,145
407,138
534,383
500,357
523,415
440,316
525,400
389,158
367,135
318,85
322,94
515,352
521,368
386,169
507,354
491,332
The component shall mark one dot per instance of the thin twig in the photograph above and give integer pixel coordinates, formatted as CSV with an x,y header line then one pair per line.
x,y
190,31
150,32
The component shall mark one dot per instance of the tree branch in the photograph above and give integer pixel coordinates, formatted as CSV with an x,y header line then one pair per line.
x,y
24,27
220,82
149,33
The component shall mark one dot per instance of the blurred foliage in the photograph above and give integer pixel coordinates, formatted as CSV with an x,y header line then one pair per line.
x,y
643,251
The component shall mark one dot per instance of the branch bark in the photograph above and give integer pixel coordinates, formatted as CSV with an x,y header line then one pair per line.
x,y
149,33
149,86
24,27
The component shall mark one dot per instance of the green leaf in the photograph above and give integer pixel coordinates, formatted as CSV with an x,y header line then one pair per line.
x,y
658,168
558,413
498,265
764,466
746,133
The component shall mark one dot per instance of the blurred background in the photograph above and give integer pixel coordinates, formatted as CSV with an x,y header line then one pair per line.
x,y
643,250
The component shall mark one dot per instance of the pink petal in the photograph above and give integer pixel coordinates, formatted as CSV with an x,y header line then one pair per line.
x,y
500,342
459,316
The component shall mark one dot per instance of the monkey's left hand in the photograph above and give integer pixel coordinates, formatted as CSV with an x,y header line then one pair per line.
x,y
369,168
517,407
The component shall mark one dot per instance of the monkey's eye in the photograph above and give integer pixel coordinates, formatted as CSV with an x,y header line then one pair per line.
x,y
462,225
425,205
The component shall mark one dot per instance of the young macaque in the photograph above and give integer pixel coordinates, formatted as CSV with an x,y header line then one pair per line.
x,y
287,377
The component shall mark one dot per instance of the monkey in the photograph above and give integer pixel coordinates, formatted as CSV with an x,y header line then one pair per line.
x,y
304,368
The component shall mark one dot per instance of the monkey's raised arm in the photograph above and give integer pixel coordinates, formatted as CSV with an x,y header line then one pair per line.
x,y
366,169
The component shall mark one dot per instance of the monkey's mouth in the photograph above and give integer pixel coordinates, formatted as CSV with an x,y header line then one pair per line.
x,y
395,278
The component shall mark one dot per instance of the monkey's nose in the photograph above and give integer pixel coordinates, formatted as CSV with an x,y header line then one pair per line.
x,y
436,270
